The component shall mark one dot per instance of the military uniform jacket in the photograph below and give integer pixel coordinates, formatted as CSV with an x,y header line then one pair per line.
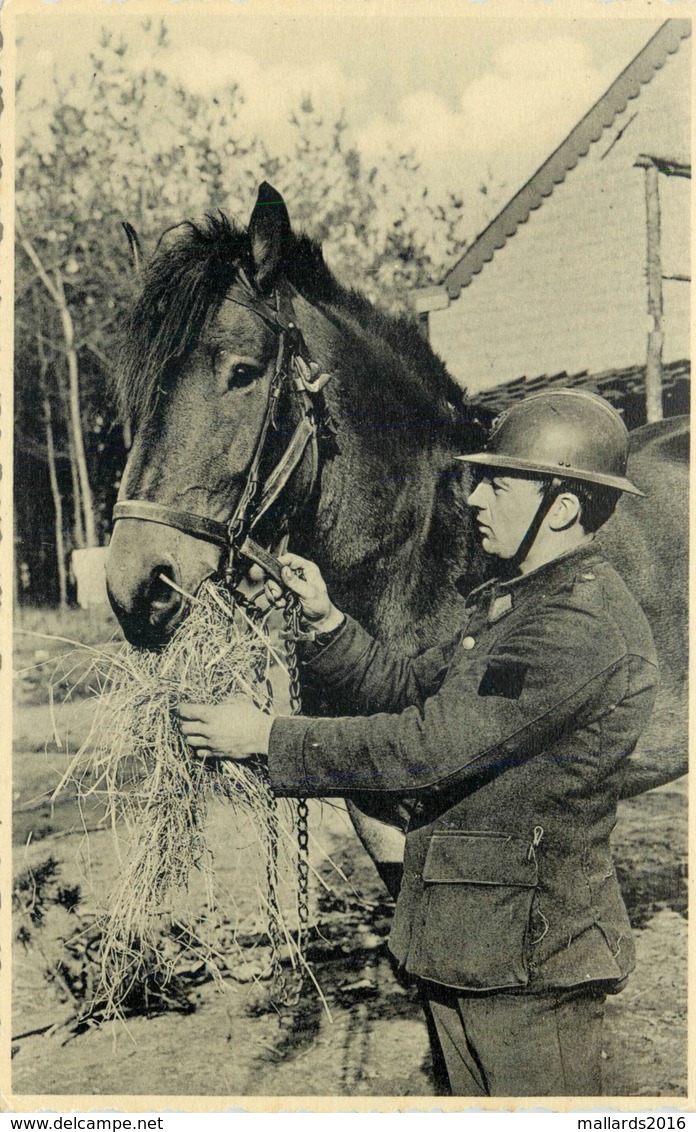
x,y
512,739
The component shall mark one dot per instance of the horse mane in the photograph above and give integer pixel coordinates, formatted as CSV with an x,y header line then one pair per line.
x,y
185,283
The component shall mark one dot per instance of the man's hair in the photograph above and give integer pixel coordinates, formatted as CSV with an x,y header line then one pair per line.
x,y
597,502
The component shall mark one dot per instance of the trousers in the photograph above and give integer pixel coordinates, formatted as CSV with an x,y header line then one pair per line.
x,y
507,1044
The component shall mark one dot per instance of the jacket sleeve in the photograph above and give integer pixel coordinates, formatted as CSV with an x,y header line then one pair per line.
x,y
365,677
492,711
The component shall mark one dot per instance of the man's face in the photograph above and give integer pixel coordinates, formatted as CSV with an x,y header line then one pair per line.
x,y
505,506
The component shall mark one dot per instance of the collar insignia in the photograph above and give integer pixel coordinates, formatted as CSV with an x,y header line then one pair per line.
x,y
499,607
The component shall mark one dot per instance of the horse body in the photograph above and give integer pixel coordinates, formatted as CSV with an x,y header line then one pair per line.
x,y
387,521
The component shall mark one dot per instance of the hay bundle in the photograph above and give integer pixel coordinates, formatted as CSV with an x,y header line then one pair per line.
x,y
157,793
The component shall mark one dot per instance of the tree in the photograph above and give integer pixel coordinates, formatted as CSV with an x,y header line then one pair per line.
x,y
116,143
56,290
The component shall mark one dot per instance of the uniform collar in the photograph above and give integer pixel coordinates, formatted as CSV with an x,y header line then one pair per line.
x,y
560,571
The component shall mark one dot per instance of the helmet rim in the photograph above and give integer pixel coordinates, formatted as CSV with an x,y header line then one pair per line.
x,y
499,460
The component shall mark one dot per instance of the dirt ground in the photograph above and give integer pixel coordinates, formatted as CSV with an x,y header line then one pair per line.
x,y
225,1040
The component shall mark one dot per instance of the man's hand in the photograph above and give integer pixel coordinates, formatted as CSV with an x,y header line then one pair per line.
x,y
304,578
236,729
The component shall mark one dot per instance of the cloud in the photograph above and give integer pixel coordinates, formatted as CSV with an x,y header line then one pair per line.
x,y
270,92
535,94
506,121
498,130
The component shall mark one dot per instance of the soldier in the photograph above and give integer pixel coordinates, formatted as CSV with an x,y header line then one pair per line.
x,y
512,738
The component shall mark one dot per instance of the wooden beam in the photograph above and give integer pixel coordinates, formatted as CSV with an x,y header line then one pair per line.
x,y
665,165
426,299
656,334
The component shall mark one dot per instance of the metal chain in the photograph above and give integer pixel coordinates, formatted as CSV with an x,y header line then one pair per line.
x,y
281,990
292,612
303,873
282,994
287,992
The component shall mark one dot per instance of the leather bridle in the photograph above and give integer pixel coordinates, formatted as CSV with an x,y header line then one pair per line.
x,y
293,370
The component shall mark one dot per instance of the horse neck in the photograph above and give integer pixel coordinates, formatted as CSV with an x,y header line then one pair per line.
x,y
387,531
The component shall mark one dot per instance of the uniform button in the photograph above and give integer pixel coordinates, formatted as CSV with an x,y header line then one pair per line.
x,y
468,643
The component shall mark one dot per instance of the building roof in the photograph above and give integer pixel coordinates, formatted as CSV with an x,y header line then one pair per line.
x,y
624,388
531,196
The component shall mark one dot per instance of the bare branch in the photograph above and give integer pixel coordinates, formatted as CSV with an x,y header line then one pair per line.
x,y
32,254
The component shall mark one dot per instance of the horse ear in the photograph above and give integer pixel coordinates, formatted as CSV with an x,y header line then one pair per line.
x,y
269,235
136,249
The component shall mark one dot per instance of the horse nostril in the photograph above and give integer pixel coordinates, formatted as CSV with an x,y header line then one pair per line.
x,y
162,591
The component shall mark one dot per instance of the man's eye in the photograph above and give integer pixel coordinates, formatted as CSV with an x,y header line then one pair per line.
x,y
241,375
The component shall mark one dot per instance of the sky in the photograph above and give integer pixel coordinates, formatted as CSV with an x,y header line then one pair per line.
x,y
474,98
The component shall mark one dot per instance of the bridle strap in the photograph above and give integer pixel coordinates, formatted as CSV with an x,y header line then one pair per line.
x,y
550,494
305,434
211,529
249,510
200,526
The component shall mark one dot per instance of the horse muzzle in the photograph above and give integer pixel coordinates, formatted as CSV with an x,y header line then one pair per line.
x,y
143,559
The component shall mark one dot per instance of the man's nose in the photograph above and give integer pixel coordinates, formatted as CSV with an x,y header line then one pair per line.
x,y
476,499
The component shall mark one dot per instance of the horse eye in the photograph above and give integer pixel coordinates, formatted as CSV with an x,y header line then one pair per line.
x,y
241,375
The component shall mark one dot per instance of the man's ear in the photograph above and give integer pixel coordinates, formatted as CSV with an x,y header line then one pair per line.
x,y
566,511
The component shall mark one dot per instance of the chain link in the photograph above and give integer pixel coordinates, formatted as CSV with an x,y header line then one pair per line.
x,y
303,872
280,986
293,611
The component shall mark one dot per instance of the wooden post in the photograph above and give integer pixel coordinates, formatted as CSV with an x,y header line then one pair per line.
x,y
656,334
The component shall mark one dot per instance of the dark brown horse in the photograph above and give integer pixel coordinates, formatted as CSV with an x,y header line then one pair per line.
x,y
227,321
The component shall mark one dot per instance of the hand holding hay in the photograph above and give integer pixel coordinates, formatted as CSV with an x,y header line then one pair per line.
x,y
157,792
234,730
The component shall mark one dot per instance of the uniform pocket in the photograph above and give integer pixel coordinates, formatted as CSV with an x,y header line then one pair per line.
x,y
479,890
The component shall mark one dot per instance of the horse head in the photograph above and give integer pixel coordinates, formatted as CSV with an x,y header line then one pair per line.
x,y
224,368
198,364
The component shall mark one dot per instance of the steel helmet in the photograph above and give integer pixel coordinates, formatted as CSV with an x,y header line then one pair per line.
x,y
570,433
